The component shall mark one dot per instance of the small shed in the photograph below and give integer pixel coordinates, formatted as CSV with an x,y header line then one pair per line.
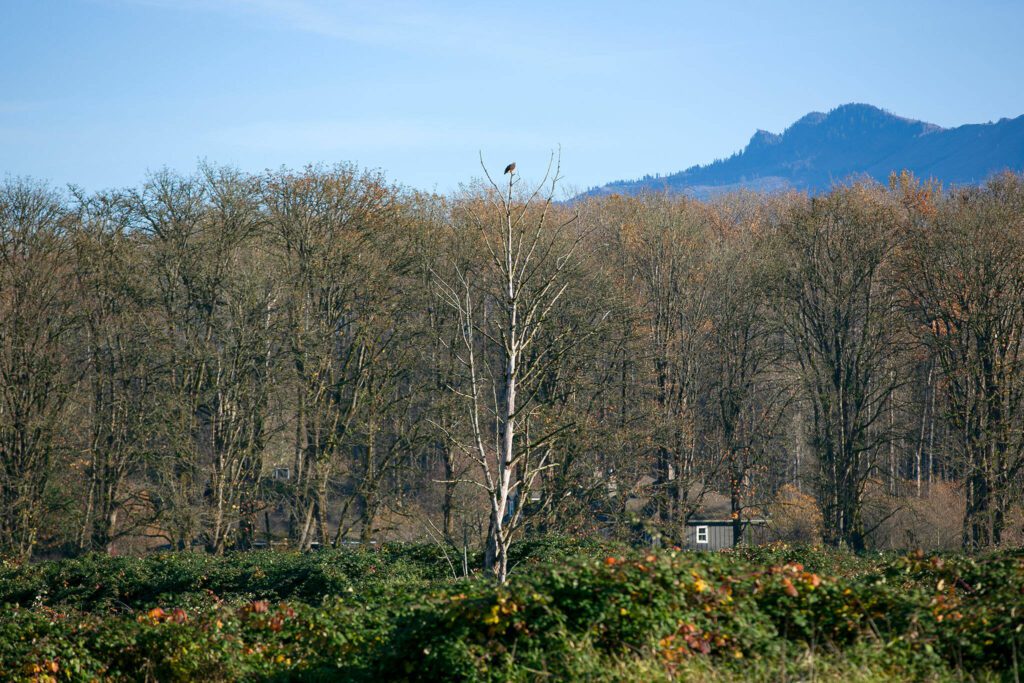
x,y
717,534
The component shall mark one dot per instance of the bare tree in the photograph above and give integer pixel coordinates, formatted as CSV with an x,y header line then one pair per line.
x,y
124,367
38,373
744,356
331,231
215,309
964,274
518,253
667,246
836,298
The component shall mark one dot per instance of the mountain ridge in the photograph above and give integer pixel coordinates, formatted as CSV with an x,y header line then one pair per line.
x,y
854,140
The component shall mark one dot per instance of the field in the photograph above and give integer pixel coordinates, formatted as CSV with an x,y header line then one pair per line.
x,y
571,610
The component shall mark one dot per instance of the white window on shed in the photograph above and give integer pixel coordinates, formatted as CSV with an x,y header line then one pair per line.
x,y
282,473
702,534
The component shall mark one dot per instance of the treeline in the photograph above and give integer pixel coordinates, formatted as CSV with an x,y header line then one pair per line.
x,y
182,361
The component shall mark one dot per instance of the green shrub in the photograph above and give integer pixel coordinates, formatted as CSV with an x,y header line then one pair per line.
x,y
572,609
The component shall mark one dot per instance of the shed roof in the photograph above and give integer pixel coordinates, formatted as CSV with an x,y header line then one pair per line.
x,y
701,521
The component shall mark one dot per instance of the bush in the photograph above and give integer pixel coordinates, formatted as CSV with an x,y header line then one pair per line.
x,y
934,521
572,609
795,516
101,582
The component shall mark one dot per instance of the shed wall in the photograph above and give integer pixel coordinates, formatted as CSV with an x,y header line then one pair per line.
x,y
719,536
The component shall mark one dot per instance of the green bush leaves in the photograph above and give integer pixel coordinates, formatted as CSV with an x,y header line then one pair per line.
x,y
569,610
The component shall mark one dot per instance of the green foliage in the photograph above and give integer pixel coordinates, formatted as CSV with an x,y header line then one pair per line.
x,y
100,582
571,610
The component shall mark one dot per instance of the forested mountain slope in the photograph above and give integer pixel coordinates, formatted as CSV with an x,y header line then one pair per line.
x,y
854,140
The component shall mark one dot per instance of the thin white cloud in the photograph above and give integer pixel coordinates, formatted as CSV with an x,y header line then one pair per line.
x,y
333,136
398,24
364,22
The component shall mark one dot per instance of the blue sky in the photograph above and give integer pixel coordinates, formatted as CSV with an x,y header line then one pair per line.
x,y
95,92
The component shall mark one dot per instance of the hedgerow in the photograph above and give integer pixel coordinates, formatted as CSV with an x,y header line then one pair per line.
x,y
397,614
100,582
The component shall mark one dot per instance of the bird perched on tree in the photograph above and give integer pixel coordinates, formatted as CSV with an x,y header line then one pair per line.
x,y
511,168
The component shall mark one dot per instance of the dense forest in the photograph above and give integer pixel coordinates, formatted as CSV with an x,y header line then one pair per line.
x,y
321,357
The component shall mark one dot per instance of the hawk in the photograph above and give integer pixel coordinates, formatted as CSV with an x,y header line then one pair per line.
x,y
511,168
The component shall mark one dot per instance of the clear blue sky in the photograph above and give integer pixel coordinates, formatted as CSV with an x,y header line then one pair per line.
x,y
95,92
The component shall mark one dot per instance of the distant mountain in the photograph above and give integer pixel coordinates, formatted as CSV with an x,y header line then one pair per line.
x,y
851,141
